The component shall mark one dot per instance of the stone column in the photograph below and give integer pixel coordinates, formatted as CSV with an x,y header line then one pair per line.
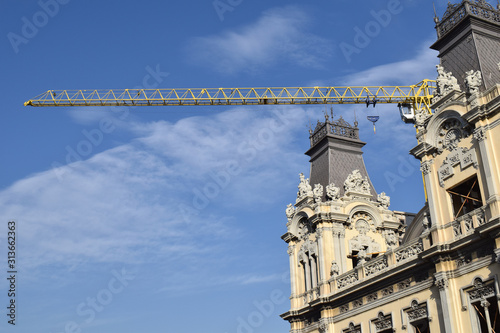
x,y
487,163
321,256
307,271
314,272
446,303
485,304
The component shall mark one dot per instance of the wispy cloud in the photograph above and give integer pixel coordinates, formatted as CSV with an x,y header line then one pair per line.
x,y
405,72
279,35
122,205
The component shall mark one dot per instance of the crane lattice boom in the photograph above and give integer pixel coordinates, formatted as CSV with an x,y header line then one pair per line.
x,y
418,95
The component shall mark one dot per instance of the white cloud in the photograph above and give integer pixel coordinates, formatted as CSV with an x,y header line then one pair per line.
x,y
277,36
122,205
405,72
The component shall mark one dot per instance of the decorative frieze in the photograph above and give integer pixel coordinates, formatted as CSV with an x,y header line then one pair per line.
x,y
387,291
409,252
344,308
376,266
347,280
357,303
371,298
404,284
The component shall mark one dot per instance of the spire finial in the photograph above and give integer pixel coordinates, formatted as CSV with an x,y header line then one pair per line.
x,y
436,18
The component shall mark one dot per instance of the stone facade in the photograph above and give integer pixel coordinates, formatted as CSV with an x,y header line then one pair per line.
x,y
356,265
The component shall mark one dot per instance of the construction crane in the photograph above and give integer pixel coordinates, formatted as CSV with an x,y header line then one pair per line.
x,y
408,98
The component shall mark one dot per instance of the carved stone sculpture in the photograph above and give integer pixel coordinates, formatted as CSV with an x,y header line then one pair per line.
x,y
446,82
318,192
305,189
384,200
356,183
290,212
334,269
391,239
332,191
473,81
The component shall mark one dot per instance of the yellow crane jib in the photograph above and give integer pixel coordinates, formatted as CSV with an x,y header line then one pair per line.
x,y
417,96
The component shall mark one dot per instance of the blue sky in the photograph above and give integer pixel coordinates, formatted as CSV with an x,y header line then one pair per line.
x,y
169,219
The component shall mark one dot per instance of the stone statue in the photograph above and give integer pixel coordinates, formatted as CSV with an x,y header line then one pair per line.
x,y
384,200
332,191
391,239
290,211
334,269
446,82
356,183
305,189
473,81
362,256
318,192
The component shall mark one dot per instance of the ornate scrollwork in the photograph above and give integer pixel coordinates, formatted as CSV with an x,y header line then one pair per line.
x,y
383,323
347,280
417,311
481,291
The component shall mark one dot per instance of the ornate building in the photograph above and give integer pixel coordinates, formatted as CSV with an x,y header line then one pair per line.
x,y
357,266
